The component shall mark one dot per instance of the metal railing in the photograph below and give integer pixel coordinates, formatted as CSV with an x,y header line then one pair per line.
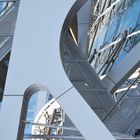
x,y
120,99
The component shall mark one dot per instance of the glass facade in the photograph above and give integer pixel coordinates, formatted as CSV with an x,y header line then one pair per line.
x,y
36,103
31,112
112,41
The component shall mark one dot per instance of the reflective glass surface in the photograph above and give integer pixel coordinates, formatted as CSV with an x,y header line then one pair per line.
x,y
120,22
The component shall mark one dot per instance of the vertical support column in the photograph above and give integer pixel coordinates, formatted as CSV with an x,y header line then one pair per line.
x,y
83,17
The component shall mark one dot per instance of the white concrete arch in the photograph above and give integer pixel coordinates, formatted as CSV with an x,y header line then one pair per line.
x,y
35,58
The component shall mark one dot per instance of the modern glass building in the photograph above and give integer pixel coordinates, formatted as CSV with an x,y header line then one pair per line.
x,y
70,70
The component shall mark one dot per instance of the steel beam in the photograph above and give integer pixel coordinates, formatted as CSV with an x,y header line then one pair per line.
x,y
121,72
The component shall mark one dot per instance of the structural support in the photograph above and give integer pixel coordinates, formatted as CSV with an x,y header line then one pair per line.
x,y
121,72
83,27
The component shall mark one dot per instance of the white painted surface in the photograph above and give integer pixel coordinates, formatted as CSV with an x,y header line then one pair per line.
x,y
35,58
9,117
